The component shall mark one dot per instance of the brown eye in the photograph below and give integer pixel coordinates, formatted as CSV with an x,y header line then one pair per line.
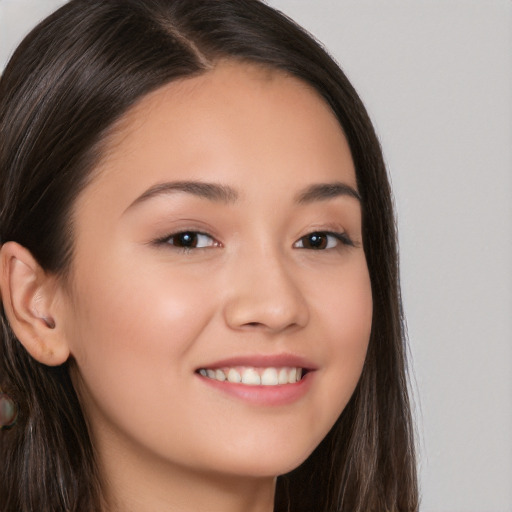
x,y
190,240
315,241
321,240
187,239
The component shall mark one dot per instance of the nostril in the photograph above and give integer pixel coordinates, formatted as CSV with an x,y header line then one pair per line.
x,y
260,308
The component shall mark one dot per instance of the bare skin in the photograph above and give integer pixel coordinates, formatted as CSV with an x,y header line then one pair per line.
x,y
260,271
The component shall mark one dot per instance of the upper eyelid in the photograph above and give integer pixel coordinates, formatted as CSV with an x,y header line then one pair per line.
x,y
341,236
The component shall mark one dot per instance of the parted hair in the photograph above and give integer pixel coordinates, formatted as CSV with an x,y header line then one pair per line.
x,y
76,74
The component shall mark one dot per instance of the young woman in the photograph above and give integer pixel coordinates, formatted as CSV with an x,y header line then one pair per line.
x,y
198,270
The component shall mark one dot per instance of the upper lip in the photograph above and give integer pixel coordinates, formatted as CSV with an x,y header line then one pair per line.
x,y
262,361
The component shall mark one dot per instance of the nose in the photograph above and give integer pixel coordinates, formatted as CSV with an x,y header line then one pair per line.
x,y
265,295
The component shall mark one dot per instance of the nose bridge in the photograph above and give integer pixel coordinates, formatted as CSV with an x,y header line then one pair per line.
x,y
265,293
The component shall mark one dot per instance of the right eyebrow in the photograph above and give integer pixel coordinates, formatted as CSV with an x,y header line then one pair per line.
x,y
326,191
211,191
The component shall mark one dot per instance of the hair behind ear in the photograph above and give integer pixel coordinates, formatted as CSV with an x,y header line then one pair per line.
x,y
53,442
50,436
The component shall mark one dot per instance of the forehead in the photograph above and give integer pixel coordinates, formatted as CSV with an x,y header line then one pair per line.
x,y
229,84
234,123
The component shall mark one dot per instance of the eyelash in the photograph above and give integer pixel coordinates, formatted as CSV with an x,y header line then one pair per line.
x,y
189,232
339,237
342,238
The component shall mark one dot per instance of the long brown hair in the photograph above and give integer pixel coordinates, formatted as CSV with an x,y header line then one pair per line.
x,y
68,82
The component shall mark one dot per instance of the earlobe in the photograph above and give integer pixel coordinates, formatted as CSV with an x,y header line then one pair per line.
x,y
30,298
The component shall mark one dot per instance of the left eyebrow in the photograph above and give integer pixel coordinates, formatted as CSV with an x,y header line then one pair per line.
x,y
326,191
211,191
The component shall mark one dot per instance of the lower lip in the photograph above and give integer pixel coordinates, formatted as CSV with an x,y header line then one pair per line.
x,y
283,394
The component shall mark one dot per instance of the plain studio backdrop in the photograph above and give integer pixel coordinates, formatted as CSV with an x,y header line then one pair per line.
x,y
436,78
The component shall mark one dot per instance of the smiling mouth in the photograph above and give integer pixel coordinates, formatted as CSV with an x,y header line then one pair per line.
x,y
252,376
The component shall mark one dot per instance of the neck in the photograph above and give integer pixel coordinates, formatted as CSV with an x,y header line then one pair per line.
x,y
132,486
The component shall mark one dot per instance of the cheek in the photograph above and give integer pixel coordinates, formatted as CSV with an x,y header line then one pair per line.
x,y
343,303
354,318
119,303
129,334
345,312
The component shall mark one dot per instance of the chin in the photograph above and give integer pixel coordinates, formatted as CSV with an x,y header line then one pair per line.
x,y
266,464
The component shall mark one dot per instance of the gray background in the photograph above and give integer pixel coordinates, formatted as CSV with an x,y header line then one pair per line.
x,y
436,77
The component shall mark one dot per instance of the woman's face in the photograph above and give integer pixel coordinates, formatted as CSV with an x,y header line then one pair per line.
x,y
219,240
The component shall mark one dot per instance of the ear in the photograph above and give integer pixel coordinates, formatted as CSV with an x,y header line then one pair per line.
x,y
31,298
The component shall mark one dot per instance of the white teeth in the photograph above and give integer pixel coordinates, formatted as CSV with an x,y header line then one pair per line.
x,y
283,376
251,377
220,375
269,377
234,376
254,376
